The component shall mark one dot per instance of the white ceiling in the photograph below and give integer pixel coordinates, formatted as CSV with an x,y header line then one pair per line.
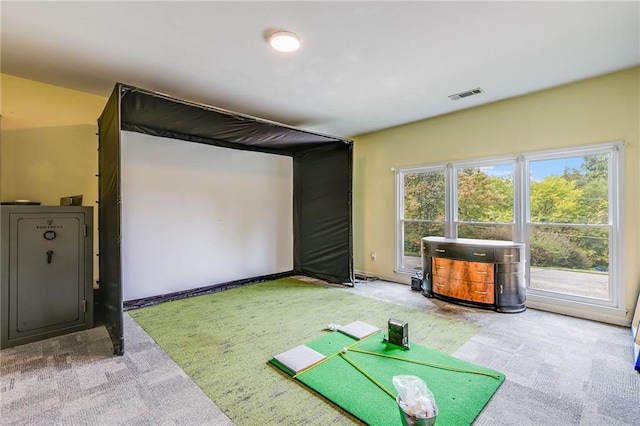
x,y
362,66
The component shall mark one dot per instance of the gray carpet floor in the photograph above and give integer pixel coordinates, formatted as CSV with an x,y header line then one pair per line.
x,y
560,371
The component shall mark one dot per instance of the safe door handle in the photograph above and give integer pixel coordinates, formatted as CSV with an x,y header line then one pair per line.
x,y
49,255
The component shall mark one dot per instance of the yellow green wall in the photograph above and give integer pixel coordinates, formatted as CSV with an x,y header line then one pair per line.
x,y
597,110
48,142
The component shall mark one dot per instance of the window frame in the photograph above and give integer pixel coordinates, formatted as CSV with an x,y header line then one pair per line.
x,y
494,161
615,304
400,219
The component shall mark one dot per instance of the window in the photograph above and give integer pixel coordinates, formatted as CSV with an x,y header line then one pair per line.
x,y
422,212
569,226
563,204
485,201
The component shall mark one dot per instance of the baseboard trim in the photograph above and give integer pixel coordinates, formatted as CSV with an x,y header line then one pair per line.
x,y
199,291
400,279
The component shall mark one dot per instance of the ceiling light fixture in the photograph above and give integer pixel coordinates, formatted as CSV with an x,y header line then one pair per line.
x,y
284,41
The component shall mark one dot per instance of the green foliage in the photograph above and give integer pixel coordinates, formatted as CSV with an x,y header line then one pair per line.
x,y
554,200
557,250
424,199
413,233
492,232
424,196
578,196
484,198
591,180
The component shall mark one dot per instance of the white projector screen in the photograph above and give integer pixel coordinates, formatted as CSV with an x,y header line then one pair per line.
x,y
195,215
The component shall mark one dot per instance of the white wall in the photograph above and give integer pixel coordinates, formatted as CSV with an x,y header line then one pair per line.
x,y
194,215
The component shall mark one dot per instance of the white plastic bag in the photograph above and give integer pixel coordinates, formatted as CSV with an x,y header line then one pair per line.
x,y
414,397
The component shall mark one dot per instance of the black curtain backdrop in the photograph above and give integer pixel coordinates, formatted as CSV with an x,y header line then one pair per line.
x,y
322,185
109,296
322,213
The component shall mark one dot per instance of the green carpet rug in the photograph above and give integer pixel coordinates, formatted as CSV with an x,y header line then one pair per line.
x,y
359,379
224,340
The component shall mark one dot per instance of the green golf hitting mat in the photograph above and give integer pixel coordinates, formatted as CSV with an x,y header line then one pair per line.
x,y
356,375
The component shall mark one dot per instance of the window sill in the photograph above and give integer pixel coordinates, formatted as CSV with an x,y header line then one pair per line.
x,y
591,311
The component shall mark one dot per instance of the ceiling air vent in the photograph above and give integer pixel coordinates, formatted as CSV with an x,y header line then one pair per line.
x,y
466,94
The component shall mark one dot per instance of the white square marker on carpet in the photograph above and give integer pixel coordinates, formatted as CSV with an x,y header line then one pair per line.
x,y
299,358
358,329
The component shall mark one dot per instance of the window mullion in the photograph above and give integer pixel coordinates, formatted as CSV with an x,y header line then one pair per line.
x,y
451,202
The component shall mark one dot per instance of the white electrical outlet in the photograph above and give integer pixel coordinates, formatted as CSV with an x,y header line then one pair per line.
x,y
373,256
